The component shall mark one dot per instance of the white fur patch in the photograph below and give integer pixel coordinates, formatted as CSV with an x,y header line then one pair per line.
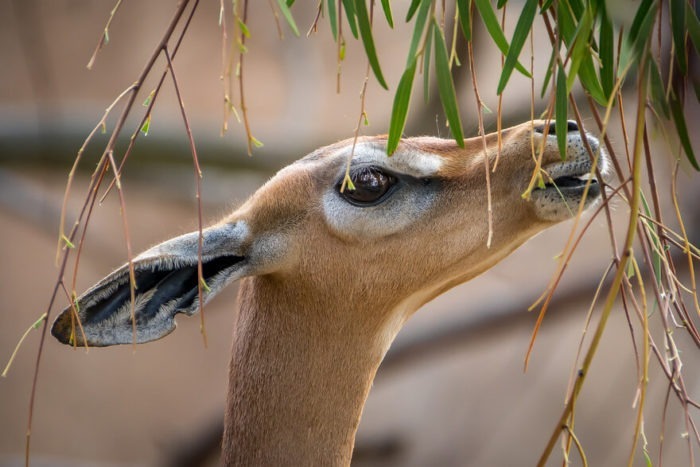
x,y
407,160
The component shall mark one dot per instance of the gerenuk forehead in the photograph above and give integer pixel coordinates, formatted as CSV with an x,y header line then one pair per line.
x,y
408,159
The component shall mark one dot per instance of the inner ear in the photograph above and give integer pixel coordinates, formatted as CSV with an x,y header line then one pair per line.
x,y
166,282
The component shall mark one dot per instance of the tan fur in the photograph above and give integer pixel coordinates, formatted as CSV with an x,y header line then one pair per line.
x,y
326,285
309,337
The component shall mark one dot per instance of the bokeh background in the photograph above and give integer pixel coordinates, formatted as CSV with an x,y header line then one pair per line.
x,y
452,391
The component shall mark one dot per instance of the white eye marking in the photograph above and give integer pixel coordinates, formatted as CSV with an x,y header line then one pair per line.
x,y
407,160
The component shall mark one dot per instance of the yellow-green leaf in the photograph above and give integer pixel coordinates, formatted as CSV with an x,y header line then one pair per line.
x,y
244,29
146,126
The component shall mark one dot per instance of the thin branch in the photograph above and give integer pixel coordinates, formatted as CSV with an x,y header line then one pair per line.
x,y
347,180
104,39
152,97
198,184
250,139
482,133
93,185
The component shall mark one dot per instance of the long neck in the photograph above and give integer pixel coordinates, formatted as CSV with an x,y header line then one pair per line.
x,y
299,377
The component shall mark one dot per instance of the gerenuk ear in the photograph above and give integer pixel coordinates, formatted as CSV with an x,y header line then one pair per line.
x,y
165,284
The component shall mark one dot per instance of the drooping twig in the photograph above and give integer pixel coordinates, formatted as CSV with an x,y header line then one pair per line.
x,y
97,177
152,98
347,181
198,194
104,38
250,139
482,133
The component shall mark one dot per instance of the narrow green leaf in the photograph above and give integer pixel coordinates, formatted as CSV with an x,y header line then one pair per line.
x,y
693,26
581,58
639,34
500,3
448,97
414,6
418,29
426,64
464,9
682,128
290,2
606,41
577,37
589,79
678,27
548,73
386,6
522,29
579,47
284,8
366,33
642,12
399,111
349,6
333,18
566,23
577,7
658,92
561,112
545,6
495,31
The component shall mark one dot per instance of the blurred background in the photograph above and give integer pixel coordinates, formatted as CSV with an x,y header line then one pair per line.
x,y
452,391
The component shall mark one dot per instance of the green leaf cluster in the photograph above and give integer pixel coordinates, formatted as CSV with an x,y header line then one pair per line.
x,y
585,51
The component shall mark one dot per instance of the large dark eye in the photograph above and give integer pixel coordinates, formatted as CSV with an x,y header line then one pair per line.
x,y
371,184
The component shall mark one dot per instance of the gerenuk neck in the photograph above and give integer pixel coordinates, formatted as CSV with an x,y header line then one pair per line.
x,y
299,376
